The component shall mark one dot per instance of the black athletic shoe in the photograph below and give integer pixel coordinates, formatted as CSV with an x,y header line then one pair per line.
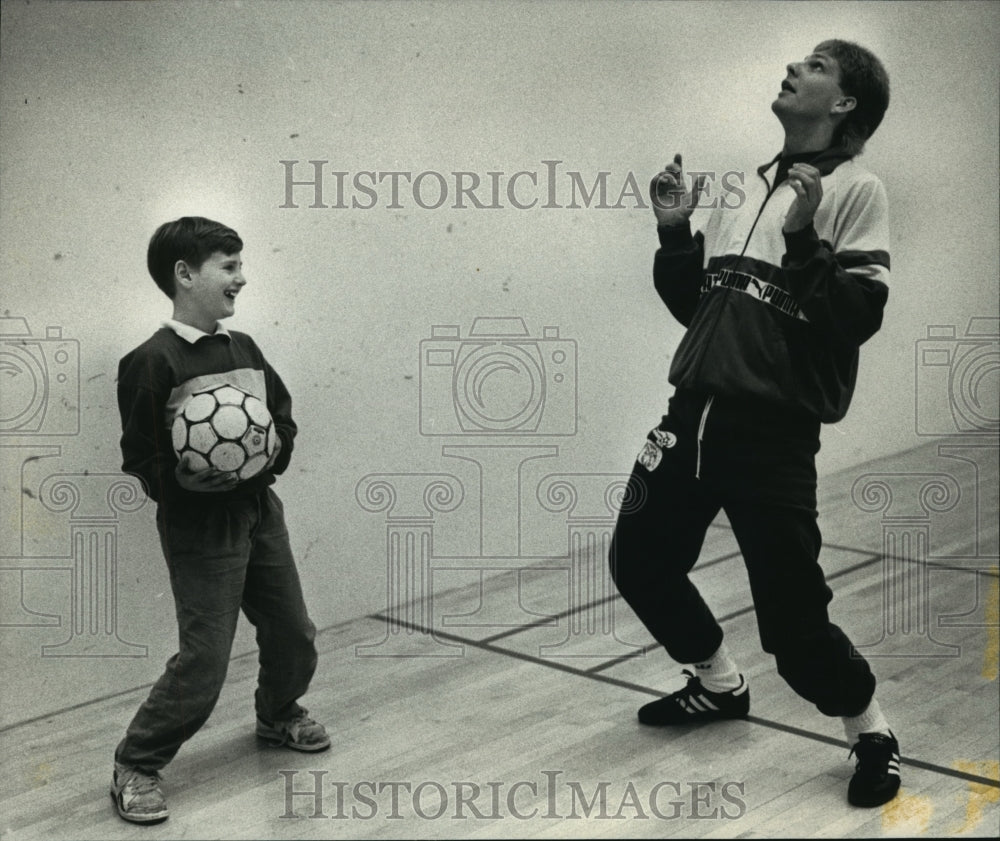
x,y
694,703
876,775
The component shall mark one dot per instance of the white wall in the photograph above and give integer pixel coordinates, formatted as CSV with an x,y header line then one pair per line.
x,y
116,117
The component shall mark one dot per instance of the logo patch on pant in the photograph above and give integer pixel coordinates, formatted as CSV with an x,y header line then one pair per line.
x,y
650,456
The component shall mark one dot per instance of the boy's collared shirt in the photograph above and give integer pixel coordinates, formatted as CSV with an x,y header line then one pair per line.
x,y
156,378
193,334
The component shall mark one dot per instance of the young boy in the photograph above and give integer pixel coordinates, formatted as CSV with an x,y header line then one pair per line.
x,y
777,295
225,541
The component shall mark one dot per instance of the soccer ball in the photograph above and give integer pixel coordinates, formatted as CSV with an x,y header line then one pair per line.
x,y
224,428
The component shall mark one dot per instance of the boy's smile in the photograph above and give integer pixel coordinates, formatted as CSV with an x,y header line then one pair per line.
x,y
209,294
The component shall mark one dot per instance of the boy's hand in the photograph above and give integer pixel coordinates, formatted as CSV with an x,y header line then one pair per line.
x,y
672,203
806,181
209,480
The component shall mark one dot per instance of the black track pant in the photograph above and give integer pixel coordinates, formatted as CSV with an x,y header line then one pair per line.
x,y
758,465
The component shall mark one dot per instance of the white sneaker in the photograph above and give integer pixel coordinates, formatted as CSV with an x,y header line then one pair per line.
x,y
137,795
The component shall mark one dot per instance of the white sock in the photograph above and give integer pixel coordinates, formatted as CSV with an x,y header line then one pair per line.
x,y
719,672
869,721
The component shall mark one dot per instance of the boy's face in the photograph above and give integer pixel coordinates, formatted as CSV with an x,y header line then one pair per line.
x,y
811,90
212,288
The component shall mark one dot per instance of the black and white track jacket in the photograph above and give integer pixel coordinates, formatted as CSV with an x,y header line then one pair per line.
x,y
773,316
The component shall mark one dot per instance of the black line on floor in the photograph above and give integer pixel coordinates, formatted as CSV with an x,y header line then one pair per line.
x,y
541,623
73,707
905,760
624,684
623,658
588,606
145,686
641,652
483,645
544,622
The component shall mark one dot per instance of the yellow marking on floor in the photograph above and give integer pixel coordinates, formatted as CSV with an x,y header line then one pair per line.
x,y
43,773
907,813
980,795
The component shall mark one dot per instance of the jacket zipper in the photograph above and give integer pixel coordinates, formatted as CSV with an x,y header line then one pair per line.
x,y
708,403
746,242
760,212
701,434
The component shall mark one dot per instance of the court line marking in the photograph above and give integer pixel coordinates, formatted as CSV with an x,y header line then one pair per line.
x,y
637,687
548,663
593,672
595,603
145,687
647,648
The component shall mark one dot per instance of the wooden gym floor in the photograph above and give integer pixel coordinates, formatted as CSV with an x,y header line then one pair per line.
x,y
524,724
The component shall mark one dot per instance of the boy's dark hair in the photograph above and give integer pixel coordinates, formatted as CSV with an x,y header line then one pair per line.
x,y
864,77
192,239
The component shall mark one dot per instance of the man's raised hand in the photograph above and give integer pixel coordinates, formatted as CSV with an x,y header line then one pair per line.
x,y
807,183
673,203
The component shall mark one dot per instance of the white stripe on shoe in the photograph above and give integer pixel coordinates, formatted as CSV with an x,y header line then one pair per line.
x,y
698,704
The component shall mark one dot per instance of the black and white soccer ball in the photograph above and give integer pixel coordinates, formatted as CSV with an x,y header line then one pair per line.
x,y
225,428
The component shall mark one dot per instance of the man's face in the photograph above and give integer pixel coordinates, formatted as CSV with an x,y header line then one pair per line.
x,y
811,89
216,285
